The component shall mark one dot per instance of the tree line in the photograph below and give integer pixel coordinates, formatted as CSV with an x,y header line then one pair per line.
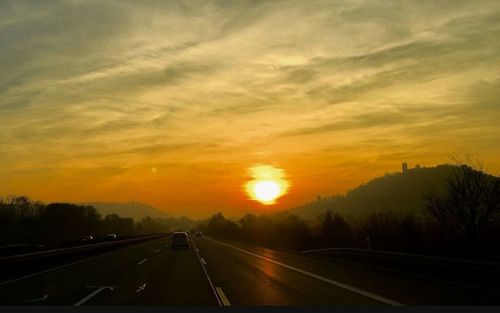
x,y
462,220
23,220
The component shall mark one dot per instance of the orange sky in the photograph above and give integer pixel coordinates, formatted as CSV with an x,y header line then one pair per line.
x,y
171,103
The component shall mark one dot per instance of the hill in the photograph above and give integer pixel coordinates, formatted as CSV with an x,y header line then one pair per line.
x,y
135,210
397,192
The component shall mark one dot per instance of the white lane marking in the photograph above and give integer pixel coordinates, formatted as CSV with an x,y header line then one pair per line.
x,y
208,277
142,261
197,250
37,299
222,296
327,280
65,265
203,261
93,294
158,250
141,288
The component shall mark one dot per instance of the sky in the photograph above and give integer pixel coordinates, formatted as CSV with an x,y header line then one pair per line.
x,y
172,103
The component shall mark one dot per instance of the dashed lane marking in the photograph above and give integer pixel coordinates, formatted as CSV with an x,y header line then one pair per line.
x,y
64,266
93,294
208,277
141,288
222,296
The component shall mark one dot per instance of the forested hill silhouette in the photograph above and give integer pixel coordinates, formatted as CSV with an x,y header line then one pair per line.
x,y
397,192
135,210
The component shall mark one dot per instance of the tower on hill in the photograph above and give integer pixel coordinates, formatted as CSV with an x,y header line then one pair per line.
x,y
404,167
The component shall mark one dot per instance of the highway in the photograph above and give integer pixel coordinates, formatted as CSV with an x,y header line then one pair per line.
x,y
213,272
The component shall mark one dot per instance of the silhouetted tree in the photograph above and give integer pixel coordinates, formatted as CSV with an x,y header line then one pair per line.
x,y
66,221
335,230
149,225
14,209
113,223
249,226
381,229
470,202
327,224
220,226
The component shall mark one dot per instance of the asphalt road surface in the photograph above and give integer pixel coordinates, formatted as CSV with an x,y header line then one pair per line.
x,y
213,272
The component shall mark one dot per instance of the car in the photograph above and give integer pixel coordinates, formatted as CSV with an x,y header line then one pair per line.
x,y
198,234
88,238
179,239
112,236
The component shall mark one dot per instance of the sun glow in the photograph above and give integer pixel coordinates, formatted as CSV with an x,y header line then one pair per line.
x,y
268,184
266,191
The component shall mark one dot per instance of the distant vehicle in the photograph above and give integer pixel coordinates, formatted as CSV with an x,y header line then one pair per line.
x,y
112,236
88,238
198,234
179,239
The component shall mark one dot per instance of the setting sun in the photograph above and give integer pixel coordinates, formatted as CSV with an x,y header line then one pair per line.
x,y
268,184
266,191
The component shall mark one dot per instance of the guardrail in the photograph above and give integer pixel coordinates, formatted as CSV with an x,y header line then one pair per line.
x,y
478,274
403,256
63,251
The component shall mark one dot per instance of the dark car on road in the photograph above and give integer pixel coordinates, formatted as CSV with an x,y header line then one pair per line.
x,y
179,239
88,238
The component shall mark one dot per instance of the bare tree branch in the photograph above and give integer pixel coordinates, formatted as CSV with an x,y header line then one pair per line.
x,y
471,202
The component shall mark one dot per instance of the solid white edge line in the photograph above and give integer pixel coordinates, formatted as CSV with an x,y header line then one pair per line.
x,y
327,280
222,296
65,265
203,261
208,277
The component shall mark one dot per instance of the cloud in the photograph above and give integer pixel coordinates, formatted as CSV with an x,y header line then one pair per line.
x,y
113,84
